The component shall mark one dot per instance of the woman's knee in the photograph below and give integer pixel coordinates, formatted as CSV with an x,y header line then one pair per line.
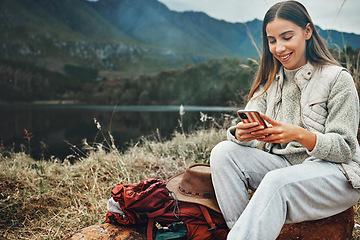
x,y
221,153
275,180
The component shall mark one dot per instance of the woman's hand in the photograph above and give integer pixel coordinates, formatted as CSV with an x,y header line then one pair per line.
x,y
279,132
247,131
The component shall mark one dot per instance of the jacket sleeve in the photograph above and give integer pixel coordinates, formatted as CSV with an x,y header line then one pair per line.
x,y
338,142
256,104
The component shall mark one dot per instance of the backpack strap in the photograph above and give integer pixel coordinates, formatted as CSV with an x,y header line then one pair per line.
x,y
151,221
207,217
161,211
150,227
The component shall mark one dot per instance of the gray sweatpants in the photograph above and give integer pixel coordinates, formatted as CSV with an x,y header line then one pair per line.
x,y
285,193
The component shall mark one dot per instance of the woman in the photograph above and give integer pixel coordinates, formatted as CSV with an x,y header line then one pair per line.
x,y
310,153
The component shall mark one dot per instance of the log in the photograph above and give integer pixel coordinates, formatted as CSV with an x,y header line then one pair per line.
x,y
337,227
107,231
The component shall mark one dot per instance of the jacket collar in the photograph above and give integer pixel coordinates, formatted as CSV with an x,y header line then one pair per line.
x,y
305,72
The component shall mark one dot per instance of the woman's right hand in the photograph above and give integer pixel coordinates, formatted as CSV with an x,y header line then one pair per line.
x,y
247,131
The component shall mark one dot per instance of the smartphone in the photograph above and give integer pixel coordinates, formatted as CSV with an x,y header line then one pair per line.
x,y
251,116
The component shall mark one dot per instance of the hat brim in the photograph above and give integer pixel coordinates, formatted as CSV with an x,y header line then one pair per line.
x,y
173,185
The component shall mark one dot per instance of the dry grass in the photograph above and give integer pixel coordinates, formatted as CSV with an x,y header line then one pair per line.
x,y
356,232
52,199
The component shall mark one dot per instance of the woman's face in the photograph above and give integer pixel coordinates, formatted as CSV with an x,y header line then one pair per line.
x,y
287,42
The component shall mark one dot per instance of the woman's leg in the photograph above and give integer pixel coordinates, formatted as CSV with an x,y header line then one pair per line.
x,y
235,169
308,191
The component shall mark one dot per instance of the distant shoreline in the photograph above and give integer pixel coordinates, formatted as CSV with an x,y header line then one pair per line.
x,y
135,108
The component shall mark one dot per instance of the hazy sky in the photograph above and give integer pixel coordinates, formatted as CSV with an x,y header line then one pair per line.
x,y
342,15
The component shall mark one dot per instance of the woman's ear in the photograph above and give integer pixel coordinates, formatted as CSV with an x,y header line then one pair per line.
x,y
308,31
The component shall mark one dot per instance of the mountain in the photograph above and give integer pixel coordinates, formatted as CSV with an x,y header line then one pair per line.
x,y
153,23
129,36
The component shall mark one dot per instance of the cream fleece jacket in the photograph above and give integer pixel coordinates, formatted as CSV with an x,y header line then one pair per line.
x,y
338,142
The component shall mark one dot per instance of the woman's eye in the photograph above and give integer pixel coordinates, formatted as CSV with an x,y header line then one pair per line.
x,y
287,38
272,41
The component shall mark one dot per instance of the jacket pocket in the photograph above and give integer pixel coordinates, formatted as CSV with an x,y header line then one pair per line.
x,y
318,109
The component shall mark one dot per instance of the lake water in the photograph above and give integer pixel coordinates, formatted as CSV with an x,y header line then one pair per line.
x,y
53,129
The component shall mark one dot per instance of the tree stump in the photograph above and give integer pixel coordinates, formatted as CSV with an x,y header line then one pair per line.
x,y
337,227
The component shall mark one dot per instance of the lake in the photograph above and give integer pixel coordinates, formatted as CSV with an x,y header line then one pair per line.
x,y
53,129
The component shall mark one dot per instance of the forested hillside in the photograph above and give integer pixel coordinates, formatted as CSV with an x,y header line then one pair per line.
x,y
21,81
125,52
216,82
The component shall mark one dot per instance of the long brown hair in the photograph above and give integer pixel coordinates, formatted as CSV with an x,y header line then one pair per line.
x,y
317,52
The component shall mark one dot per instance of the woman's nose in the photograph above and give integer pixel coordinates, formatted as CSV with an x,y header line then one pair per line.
x,y
280,47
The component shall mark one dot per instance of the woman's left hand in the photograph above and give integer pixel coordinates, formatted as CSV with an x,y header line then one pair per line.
x,y
280,132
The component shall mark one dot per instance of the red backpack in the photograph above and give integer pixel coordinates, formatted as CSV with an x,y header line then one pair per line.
x,y
151,201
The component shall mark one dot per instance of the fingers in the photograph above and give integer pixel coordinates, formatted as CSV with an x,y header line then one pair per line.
x,y
249,131
270,139
242,125
276,132
268,119
244,136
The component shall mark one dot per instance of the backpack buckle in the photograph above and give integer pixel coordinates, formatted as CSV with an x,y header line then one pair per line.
x,y
213,228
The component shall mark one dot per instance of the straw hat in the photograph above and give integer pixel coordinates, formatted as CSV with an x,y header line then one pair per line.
x,y
194,185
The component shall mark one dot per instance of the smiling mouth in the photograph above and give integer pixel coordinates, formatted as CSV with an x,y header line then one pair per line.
x,y
285,57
